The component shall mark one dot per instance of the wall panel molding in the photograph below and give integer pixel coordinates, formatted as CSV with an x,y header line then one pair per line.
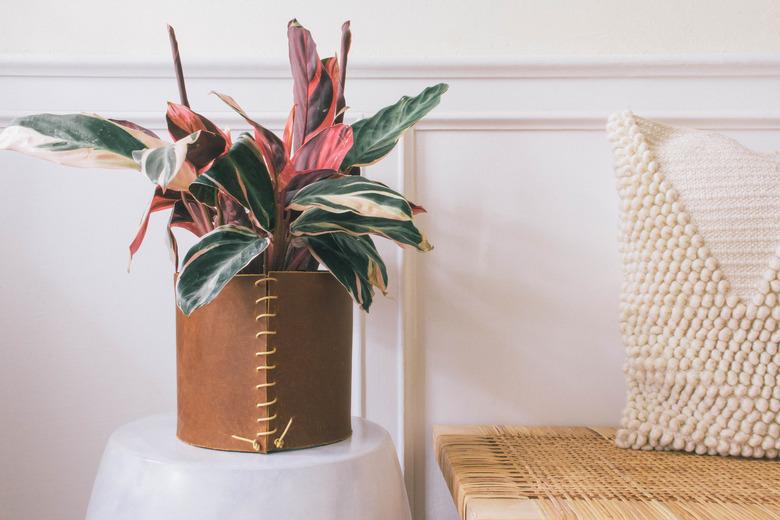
x,y
642,66
472,121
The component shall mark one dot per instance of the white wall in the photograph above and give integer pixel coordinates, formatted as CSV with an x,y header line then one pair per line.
x,y
511,319
399,28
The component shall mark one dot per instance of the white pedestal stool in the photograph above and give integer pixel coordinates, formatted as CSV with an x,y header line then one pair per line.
x,y
148,474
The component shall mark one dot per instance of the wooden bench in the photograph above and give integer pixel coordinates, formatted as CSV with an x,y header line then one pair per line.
x,y
516,473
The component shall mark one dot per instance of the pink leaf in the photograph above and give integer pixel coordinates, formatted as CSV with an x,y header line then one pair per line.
x,y
315,86
416,210
134,126
306,69
326,150
346,43
323,100
182,122
271,147
287,135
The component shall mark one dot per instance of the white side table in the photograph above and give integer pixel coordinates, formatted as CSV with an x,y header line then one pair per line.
x,y
148,474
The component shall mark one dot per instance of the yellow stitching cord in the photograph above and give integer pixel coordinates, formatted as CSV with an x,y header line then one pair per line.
x,y
253,442
267,403
279,442
260,420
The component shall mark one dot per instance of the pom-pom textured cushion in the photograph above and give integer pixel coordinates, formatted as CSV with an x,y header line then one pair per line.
x,y
700,230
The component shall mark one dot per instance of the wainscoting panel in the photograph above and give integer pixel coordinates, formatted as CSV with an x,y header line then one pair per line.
x,y
512,318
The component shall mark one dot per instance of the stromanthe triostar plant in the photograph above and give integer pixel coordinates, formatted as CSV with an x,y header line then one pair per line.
x,y
259,202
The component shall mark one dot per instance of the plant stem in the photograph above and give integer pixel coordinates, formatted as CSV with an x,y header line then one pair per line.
x,y
178,68
279,239
298,259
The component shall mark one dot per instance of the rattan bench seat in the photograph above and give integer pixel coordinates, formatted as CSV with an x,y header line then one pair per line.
x,y
516,473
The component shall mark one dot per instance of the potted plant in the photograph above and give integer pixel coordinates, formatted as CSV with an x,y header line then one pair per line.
x,y
263,335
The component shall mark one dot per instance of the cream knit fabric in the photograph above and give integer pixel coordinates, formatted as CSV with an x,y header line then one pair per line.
x,y
700,230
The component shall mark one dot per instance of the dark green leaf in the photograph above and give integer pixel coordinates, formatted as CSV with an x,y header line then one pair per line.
x,y
213,262
242,174
354,261
76,140
356,194
204,192
375,136
318,222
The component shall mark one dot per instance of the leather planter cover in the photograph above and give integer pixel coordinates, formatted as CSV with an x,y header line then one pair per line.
x,y
267,365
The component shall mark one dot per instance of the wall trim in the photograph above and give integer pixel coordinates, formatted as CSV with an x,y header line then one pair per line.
x,y
488,121
636,66
565,120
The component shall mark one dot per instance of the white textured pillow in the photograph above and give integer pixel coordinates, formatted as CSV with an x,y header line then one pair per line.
x,y
700,230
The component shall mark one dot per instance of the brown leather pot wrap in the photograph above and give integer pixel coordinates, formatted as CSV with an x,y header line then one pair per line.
x,y
268,350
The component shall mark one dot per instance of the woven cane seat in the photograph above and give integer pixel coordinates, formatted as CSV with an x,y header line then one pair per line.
x,y
516,473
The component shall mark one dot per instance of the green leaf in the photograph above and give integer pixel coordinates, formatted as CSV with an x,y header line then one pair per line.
x,y
315,221
77,140
166,165
354,261
376,271
353,193
213,262
242,174
204,192
375,136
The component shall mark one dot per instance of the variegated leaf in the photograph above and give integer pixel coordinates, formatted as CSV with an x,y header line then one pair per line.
x,y
363,246
242,174
324,151
166,166
183,121
287,133
377,135
211,263
356,194
328,100
315,86
202,153
316,221
144,135
304,179
76,140
213,141
354,261
271,146
346,43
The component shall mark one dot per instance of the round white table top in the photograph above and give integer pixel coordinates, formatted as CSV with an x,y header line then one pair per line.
x,y
154,439
148,474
